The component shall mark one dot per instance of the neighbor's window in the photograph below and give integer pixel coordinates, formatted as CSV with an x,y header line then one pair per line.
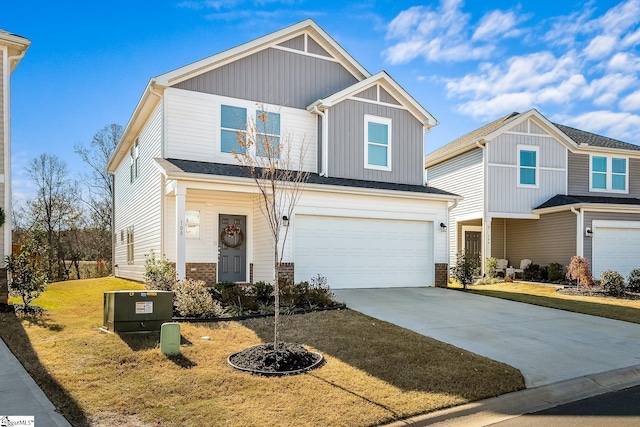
x,y
130,245
377,142
528,166
192,224
608,174
233,125
267,134
133,160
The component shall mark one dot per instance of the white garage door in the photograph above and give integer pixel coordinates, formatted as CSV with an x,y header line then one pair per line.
x,y
616,246
364,253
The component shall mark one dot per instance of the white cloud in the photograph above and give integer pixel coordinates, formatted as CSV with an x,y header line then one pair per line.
x,y
600,46
631,102
620,125
624,62
496,23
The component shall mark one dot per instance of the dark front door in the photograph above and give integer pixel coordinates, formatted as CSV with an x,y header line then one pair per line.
x,y
472,246
232,248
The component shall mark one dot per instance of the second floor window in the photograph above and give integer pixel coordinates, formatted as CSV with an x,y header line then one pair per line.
x,y
233,128
267,134
608,174
377,140
527,166
134,154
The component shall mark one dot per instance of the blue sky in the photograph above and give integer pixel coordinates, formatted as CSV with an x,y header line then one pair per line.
x,y
468,63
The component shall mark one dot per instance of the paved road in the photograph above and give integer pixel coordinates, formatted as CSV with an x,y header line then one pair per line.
x,y
545,344
617,409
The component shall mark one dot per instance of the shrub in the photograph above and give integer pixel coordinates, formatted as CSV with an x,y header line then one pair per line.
x,y
159,273
263,293
579,270
612,282
490,265
555,272
532,273
233,294
192,299
28,278
315,293
633,282
466,267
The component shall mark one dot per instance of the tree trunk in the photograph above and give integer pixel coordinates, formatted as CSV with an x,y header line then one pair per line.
x,y
276,289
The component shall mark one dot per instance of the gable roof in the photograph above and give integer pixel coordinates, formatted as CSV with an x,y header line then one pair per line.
x,y
203,171
389,84
156,86
567,201
574,139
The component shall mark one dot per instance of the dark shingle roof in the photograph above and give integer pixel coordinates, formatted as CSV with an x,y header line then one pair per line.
x,y
594,140
562,200
220,169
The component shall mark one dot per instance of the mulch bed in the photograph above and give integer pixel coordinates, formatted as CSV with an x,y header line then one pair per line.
x,y
596,291
264,359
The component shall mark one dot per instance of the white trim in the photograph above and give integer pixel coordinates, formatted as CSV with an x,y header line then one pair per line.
x,y
474,228
371,101
541,135
515,215
605,223
609,175
544,168
536,150
468,217
304,53
381,121
6,92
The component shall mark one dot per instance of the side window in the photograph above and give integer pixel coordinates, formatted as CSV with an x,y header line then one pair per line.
x,y
377,143
130,245
609,174
267,134
618,174
599,173
527,166
134,154
233,125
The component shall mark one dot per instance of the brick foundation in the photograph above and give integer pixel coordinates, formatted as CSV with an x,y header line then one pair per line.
x,y
4,287
442,275
287,270
205,271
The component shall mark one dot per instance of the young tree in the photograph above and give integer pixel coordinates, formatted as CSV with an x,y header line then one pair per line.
x,y
276,166
28,279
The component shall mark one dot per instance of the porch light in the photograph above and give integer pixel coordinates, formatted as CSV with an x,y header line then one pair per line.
x,y
443,227
588,232
285,221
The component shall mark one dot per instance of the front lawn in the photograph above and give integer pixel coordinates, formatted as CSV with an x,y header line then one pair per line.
x,y
375,372
546,296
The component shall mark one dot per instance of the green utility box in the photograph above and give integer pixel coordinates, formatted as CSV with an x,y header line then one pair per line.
x,y
170,339
135,311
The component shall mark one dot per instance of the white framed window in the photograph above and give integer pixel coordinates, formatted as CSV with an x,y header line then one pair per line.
x,y
134,154
607,173
267,134
130,245
528,166
377,142
233,126
192,224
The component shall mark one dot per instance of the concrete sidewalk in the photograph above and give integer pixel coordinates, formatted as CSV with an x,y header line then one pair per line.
x,y
20,395
545,344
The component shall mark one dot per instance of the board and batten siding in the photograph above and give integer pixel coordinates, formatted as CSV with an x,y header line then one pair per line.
x,y
193,128
138,203
590,216
579,177
274,76
552,238
347,145
503,193
462,175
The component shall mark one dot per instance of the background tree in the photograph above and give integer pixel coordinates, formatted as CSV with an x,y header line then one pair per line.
x,y
269,159
99,185
27,279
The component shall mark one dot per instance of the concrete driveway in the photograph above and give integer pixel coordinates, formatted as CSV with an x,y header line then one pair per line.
x,y
545,344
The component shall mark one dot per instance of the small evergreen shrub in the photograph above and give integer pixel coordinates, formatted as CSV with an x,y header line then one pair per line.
x,y
28,279
633,282
532,273
490,266
612,282
465,268
263,292
579,270
160,273
555,272
233,294
192,299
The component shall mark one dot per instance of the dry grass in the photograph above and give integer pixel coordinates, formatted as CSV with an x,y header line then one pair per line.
x,y
375,372
546,296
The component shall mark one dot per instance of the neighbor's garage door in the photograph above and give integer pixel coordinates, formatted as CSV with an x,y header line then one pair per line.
x,y
364,253
616,246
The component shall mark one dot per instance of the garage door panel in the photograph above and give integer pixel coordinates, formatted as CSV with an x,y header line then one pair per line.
x,y
357,252
616,249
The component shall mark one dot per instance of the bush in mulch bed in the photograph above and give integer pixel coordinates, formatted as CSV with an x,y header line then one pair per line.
x,y
596,291
265,359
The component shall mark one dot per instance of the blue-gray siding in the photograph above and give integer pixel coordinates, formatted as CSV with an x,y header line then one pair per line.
x,y
579,177
276,77
346,143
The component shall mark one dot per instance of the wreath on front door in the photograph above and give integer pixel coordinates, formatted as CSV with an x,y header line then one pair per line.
x,y
232,236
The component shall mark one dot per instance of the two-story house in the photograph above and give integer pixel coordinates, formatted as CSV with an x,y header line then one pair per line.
x,y
366,217
12,50
542,191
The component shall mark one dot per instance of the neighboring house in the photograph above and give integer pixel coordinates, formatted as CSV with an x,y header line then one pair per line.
x,y
12,50
366,217
542,191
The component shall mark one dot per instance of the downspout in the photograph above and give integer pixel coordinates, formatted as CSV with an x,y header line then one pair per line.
x,y
114,239
325,146
579,239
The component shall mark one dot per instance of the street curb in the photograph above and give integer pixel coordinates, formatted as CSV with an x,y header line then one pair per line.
x,y
512,405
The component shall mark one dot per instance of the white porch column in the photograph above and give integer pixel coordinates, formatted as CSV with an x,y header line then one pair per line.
x,y
181,194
